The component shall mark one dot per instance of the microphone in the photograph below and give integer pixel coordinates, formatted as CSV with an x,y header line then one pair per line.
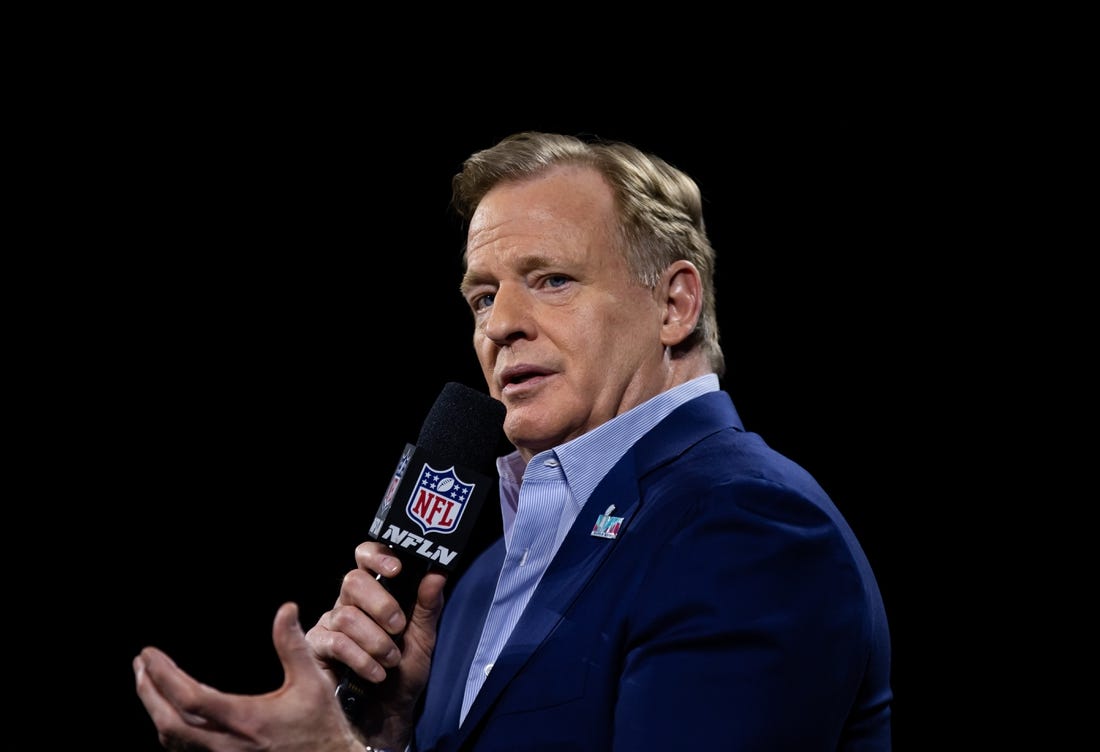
x,y
432,502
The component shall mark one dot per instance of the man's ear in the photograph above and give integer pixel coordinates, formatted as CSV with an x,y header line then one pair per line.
x,y
683,301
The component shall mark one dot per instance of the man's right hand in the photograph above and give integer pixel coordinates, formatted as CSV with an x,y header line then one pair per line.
x,y
359,633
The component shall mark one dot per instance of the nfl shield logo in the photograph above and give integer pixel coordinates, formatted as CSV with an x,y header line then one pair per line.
x,y
438,500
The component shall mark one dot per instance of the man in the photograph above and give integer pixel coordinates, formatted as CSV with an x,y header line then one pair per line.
x,y
665,579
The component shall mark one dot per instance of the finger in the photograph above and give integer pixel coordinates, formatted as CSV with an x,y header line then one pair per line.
x,y
179,706
162,712
358,588
166,689
364,592
354,641
376,558
358,642
198,704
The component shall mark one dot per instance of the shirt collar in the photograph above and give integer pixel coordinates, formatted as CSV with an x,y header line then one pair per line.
x,y
586,459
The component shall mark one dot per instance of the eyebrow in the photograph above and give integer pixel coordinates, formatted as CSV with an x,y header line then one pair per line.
x,y
470,281
527,264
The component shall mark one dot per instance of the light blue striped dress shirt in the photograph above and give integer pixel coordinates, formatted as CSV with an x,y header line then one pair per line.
x,y
541,501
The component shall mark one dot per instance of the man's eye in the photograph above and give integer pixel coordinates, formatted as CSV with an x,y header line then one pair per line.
x,y
482,301
556,280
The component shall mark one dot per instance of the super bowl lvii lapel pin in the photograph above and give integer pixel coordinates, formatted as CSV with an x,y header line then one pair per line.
x,y
607,526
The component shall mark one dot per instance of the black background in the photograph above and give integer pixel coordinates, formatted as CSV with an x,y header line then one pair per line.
x,y
274,308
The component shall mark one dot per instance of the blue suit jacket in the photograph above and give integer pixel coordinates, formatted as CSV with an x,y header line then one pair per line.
x,y
734,611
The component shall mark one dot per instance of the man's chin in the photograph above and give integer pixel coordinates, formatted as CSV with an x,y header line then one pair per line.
x,y
528,433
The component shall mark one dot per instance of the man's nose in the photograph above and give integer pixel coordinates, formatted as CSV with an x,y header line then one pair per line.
x,y
510,315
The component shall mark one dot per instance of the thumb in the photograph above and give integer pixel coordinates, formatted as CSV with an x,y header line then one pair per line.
x,y
429,602
290,642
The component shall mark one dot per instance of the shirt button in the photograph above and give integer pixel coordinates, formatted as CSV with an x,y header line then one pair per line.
x,y
551,463
488,668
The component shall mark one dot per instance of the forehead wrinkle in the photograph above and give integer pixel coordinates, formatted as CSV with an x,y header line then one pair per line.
x,y
492,225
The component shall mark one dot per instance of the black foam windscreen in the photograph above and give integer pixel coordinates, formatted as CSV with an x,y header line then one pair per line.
x,y
463,428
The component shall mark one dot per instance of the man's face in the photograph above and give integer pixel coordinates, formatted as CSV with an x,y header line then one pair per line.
x,y
566,338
